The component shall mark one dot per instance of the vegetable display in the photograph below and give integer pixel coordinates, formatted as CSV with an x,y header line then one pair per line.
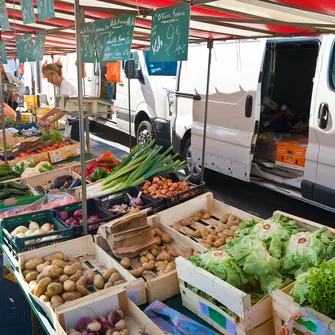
x,y
316,288
38,169
54,136
143,162
19,167
55,146
56,279
13,189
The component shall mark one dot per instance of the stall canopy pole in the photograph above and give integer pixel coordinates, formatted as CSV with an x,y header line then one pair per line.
x,y
210,47
129,110
3,122
78,15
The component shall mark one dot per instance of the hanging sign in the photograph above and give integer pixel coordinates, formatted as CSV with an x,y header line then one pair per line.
x,y
3,52
45,9
87,43
169,33
27,9
113,38
25,48
3,16
39,45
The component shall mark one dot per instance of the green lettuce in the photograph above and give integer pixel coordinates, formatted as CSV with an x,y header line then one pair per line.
x,y
221,264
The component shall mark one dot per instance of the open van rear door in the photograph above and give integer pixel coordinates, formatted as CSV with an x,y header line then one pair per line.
x,y
233,107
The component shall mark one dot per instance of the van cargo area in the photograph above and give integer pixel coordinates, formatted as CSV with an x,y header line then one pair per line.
x,y
287,85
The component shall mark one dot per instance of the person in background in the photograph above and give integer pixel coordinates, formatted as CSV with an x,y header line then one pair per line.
x,y
10,78
54,75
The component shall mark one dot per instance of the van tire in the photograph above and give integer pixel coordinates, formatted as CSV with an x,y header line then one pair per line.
x,y
144,133
195,177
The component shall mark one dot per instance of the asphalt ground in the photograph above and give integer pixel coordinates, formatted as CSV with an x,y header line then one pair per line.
x,y
15,311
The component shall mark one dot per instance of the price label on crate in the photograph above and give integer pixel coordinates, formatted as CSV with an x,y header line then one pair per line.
x,y
169,33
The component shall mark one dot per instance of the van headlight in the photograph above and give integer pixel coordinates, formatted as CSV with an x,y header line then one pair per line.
x,y
171,100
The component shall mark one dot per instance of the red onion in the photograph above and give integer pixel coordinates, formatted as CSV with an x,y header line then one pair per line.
x,y
78,214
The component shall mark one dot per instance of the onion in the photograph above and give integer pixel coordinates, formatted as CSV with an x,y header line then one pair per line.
x,y
63,215
19,230
47,227
38,232
20,235
33,226
82,323
78,214
29,232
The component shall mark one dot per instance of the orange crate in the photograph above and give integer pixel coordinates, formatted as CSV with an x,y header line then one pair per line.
x,y
292,154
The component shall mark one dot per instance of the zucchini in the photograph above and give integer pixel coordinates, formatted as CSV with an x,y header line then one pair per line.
x,y
4,167
9,176
4,172
18,186
14,191
4,195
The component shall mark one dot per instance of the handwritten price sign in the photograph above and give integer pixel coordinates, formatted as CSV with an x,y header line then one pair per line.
x,y
169,33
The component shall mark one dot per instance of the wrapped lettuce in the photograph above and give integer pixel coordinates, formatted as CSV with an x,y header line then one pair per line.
x,y
246,227
306,249
220,263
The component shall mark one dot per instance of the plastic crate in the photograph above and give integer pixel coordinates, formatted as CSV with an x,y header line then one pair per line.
x,y
182,196
117,198
18,245
93,207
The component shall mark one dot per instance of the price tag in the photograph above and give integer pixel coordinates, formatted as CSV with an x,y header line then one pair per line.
x,y
3,52
39,45
27,9
45,9
3,16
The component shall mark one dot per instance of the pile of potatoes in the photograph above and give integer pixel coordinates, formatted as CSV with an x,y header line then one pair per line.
x,y
160,257
208,237
56,279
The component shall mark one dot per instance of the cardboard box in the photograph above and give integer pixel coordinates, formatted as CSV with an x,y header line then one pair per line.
x,y
292,154
64,153
40,157
9,139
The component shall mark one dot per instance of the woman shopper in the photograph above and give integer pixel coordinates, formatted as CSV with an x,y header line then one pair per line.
x,y
54,75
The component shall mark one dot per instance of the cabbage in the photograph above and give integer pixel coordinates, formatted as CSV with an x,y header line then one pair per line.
x,y
220,263
246,227
306,249
44,167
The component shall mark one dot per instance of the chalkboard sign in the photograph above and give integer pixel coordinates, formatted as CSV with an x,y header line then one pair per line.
x,y
169,33
87,42
25,48
45,9
3,16
3,52
39,45
27,9
113,38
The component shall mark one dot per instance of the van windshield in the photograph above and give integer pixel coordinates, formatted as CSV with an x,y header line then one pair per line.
x,y
160,68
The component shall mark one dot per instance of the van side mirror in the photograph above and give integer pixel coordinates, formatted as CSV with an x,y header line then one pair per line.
x,y
129,68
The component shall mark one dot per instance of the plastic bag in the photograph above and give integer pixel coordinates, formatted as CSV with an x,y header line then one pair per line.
x,y
113,74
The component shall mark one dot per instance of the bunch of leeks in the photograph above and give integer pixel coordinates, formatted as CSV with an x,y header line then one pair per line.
x,y
143,162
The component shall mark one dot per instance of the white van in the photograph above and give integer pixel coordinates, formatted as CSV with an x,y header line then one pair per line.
x,y
152,86
253,84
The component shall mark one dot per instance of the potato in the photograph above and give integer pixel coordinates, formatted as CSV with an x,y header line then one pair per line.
x,y
56,255
219,243
229,238
225,218
108,273
154,252
234,228
196,233
143,259
55,280
188,252
81,281
219,229
150,256
176,226
114,278
157,264
59,263
143,253
73,260
108,284
32,263
153,233
63,279
158,232
71,269
204,233
163,256
196,218
158,240
42,286
206,245
98,282
70,296
57,299
125,262
233,221
222,235
40,267
31,276
69,285
229,232
25,272
90,276
54,289
195,252
82,290
32,286
76,275
211,231
210,243
212,238
185,222
162,267
51,271
206,216
205,211
137,272
166,238
170,267
148,266
119,282
44,298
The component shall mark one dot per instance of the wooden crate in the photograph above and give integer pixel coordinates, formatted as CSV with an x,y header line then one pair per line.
x,y
250,318
284,307
158,287
185,210
96,259
135,319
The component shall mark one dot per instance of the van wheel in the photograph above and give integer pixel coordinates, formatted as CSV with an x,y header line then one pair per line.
x,y
193,169
145,133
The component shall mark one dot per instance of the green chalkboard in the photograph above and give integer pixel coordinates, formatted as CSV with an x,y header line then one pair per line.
x,y
113,38
3,52
45,9
25,48
27,9
169,33
3,16
39,45
87,43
